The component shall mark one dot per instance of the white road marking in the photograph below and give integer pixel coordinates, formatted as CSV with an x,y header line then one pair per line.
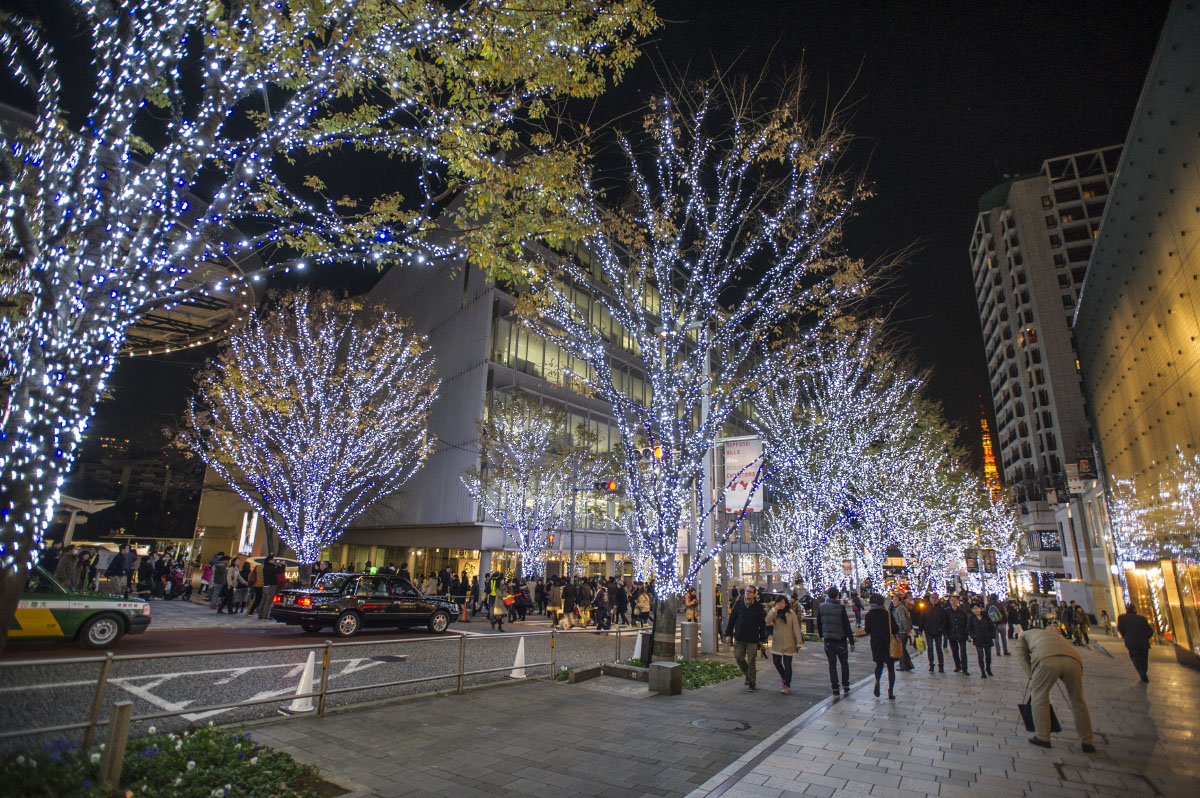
x,y
295,670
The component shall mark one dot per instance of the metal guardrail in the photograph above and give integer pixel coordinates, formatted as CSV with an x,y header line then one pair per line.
x,y
106,661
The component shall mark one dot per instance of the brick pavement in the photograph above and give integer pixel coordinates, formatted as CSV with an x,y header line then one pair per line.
x,y
950,735
537,737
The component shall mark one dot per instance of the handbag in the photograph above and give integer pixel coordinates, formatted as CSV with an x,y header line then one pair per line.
x,y
1026,710
895,647
920,644
510,600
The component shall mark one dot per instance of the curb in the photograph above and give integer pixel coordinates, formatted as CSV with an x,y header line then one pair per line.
x,y
729,777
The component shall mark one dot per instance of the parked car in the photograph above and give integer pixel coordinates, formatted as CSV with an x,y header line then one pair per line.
x,y
48,610
348,602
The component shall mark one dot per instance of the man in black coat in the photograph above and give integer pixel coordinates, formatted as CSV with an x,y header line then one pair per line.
x,y
748,627
833,627
933,623
957,618
270,582
1137,634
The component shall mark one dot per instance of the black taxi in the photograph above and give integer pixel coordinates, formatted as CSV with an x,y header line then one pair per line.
x,y
348,602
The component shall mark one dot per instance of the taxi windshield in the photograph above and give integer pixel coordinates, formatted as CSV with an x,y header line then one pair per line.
x,y
332,583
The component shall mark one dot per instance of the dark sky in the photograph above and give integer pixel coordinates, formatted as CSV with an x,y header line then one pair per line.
x,y
944,98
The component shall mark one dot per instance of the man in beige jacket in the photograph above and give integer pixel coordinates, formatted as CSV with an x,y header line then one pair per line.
x,y
1048,658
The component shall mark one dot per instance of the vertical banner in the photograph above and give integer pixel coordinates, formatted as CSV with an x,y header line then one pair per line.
x,y
742,461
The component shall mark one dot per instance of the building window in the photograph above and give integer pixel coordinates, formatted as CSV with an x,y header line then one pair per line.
x,y
1049,540
1063,280
1068,301
1051,221
1060,260
1055,241
1046,203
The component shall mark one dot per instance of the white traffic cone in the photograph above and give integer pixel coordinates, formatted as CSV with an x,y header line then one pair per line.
x,y
518,671
300,706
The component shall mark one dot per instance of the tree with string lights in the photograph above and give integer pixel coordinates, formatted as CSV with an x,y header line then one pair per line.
x,y
534,466
727,231
820,423
190,121
315,410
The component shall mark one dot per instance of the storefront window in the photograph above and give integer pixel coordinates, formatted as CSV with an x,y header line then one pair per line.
x,y
1145,583
1187,580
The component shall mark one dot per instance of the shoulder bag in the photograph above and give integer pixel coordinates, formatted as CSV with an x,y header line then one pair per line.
x,y
895,647
1026,710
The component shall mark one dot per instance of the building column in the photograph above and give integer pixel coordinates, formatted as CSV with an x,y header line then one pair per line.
x,y
485,563
610,564
345,555
371,552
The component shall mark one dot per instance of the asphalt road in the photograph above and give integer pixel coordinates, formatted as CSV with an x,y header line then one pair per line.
x,y
62,691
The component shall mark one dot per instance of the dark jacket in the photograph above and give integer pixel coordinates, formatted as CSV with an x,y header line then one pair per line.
x,y
747,624
620,597
270,572
116,566
981,629
956,623
1135,630
933,618
568,597
880,632
832,621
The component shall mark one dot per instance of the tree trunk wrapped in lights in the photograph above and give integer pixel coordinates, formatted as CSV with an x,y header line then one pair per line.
x,y
197,115
313,412
726,234
535,466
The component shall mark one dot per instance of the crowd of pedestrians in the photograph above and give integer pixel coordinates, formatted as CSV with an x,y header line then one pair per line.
x,y
153,575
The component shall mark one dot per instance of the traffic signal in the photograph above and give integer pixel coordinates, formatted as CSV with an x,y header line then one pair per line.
x,y
611,486
551,538
658,452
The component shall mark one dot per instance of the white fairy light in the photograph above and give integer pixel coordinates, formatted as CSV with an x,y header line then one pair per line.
x,y
315,410
101,223
534,463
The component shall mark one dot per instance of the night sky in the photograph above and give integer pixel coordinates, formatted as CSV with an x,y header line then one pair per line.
x,y
944,104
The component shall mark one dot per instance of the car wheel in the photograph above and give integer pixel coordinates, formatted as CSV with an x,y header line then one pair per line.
x,y
101,631
347,624
311,628
439,622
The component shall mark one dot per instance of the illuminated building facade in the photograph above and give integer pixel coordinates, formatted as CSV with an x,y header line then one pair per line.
x,y
1137,330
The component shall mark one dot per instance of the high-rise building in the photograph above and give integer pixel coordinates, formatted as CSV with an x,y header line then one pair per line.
x,y
1138,331
1029,251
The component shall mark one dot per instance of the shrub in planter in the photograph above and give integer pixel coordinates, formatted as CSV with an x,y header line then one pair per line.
x,y
203,763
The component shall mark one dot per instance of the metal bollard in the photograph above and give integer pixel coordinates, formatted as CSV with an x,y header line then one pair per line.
x,y
553,672
462,661
118,736
98,700
324,678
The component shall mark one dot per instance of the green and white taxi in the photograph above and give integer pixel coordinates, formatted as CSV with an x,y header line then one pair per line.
x,y
49,611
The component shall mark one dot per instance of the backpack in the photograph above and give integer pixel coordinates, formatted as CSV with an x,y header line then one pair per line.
x,y
993,613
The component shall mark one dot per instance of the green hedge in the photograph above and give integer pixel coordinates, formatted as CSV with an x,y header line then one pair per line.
x,y
202,763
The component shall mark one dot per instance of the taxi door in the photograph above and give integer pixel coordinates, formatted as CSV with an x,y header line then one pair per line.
x,y
35,616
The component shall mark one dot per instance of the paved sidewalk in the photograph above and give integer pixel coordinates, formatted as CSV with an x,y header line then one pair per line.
x,y
603,737
166,616
950,735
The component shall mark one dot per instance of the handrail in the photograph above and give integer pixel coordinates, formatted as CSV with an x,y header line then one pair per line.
x,y
263,649
320,694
